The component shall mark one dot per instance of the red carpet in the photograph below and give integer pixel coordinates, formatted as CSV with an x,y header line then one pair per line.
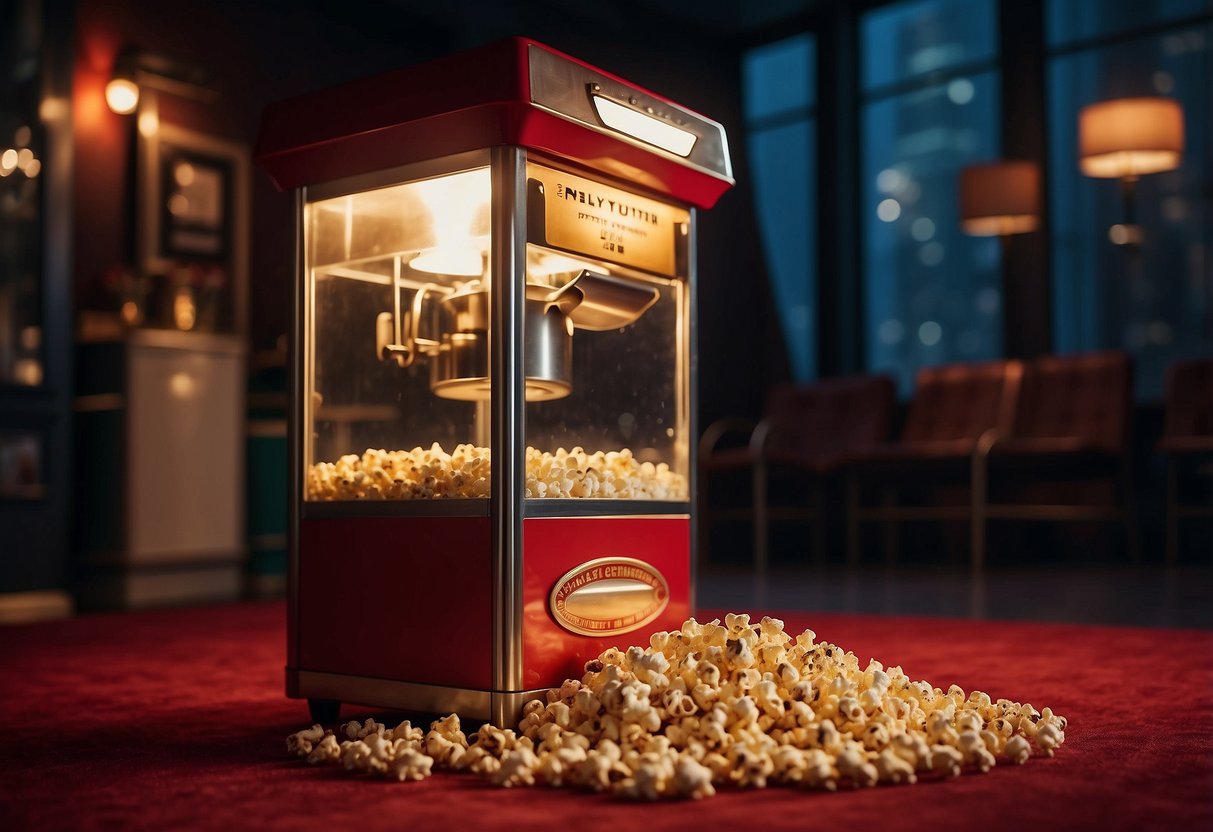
x,y
176,720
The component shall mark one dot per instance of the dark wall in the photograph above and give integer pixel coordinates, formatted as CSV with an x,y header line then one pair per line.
x,y
265,51
34,520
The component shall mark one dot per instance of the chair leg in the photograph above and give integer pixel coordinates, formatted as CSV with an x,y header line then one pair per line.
x,y
978,498
759,492
819,524
1172,514
1129,510
891,527
852,520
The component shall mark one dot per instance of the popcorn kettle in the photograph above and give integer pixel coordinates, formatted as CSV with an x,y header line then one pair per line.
x,y
459,356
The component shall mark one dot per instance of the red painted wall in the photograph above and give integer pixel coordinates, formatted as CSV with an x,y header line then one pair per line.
x,y
104,205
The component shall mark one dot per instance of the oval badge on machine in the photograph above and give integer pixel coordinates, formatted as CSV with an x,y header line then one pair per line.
x,y
608,596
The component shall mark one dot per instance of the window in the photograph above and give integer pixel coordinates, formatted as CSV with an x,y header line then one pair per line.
x,y
780,98
930,107
1154,300
1075,21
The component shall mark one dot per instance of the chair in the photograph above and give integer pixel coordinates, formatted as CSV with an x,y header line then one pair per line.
x,y
953,407
1070,439
1187,442
805,433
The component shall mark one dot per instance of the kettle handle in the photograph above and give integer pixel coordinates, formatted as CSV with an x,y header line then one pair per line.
x,y
414,339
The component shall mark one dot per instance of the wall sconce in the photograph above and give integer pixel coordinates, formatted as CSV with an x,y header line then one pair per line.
x,y
122,94
1000,198
1126,138
137,69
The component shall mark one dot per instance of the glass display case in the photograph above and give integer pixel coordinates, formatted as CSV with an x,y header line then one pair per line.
x,y
493,374
399,380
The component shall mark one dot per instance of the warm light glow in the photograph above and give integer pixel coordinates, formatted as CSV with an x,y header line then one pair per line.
x,y
149,123
1000,198
1130,137
27,371
24,157
184,311
453,260
458,206
184,174
52,109
179,205
548,264
122,95
648,129
31,338
182,385
130,313
8,161
33,168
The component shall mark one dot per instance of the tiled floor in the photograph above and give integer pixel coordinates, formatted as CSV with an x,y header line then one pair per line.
x,y
1134,596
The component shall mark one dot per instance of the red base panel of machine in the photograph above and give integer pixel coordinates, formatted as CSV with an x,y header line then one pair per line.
x,y
402,598
553,546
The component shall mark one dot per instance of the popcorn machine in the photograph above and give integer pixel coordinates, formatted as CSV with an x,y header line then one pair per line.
x,y
493,375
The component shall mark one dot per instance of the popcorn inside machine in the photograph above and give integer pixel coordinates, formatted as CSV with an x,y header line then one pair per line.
x,y
493,375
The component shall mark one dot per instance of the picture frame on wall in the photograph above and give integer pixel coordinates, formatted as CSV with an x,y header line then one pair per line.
x,y
192,208
195,204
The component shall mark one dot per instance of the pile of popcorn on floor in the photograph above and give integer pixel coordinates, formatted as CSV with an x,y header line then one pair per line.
x,y
434,474
711,705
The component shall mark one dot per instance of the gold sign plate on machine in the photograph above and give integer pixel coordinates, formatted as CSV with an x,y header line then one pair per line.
x,y
597,220
609,596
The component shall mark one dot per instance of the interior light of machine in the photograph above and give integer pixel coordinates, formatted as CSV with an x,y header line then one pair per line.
x,y
458,207
654,131
466,262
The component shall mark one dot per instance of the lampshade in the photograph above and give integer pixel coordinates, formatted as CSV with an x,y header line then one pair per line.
x,y
1000,198
1129,137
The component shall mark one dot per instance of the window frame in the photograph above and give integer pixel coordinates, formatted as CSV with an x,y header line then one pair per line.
x,y
809,113
884,92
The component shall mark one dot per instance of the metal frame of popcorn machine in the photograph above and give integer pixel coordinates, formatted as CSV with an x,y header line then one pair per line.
x,y
495,269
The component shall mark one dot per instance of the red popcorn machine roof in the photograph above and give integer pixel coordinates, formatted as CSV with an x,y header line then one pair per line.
x,y
514,92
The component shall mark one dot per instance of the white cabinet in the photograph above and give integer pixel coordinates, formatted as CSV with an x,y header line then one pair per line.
x,y
178,415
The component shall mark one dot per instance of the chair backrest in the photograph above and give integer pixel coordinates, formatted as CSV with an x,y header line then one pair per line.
x,y
1190,398
1086,396
962,401
831,416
